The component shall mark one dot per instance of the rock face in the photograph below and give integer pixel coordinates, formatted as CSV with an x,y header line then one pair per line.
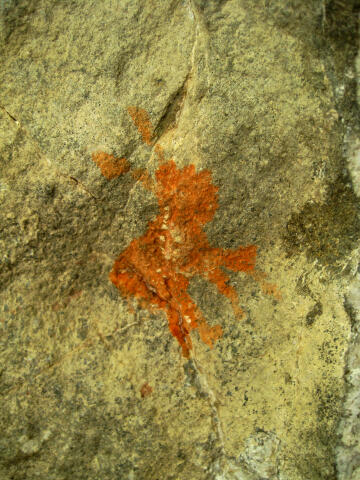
x,y
178,230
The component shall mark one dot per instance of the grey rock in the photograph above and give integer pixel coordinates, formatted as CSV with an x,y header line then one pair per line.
x,y
261,95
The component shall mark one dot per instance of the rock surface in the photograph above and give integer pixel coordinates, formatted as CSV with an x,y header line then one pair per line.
x,y
225,122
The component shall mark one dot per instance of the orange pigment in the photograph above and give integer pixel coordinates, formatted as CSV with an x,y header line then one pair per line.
x,y
146,390
157,267
266,287
110,166
142,121
144,177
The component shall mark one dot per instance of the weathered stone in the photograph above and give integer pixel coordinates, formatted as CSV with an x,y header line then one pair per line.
x,y
97,100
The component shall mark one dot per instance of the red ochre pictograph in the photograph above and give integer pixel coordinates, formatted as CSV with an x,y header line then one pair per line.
x,y
110,166
156,268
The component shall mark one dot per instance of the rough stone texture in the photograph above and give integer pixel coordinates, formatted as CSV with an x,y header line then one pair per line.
x,y
348,448
260,94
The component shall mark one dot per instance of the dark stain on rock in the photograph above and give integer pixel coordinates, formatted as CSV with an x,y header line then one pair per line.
x,y
340,20
83,328
329,400
315,312
351,312
329,352
327,232
321,435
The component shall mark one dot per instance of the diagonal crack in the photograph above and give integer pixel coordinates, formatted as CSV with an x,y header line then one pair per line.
x,y
203,385
200,51
176,102
222,467
9,114
195,372
172,111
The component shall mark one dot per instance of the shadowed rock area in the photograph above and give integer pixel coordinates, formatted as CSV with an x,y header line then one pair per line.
x,y
179,226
